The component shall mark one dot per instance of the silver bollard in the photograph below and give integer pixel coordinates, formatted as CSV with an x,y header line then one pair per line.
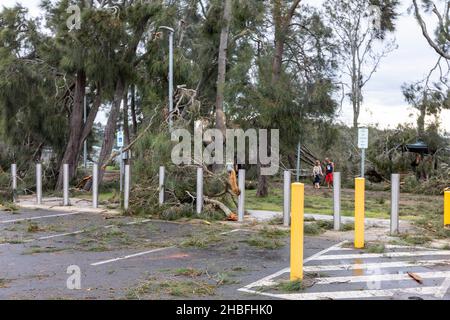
x,y
39,184
395,198
287,199
14,181
66,185
126,192
199,190
95,186
241,200
337,200
162,177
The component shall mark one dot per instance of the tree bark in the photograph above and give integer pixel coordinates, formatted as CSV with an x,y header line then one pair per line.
x,y
222,61
133,110
110,131
282,21
126,127
71,153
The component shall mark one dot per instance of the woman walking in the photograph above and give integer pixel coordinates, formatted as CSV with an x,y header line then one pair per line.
x,y
317,173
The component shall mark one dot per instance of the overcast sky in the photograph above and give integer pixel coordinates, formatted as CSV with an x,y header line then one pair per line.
x,y
383,100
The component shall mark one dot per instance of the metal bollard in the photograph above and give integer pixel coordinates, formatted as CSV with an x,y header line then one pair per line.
x,y
95,186
39,184
14,181
162,177
287,198
395,198
126,193
297,226
337,200
199,190
241,200
66,185
360,184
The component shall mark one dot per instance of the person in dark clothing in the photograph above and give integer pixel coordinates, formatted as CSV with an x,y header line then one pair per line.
x,y
329,169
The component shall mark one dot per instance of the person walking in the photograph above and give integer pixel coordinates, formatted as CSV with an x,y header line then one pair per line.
x,y
329,169
317,173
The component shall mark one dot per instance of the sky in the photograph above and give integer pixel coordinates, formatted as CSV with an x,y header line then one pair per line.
x,y
384,103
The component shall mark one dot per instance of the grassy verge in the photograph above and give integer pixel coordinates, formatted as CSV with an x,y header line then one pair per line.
x,y
412,207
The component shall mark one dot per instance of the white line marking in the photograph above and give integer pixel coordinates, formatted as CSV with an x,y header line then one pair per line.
x,y
443,289
395,264
41,217
381,277
383,255
268,280
130,256
360,294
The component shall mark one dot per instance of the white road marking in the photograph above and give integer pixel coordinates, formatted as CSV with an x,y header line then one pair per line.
x,y
381,277
41,217
359,294
437,291
267,281
383,255
443,289
379,265
130,256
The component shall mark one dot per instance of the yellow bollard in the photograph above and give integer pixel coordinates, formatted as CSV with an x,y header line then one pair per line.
x,y
447,208
359,212
297,221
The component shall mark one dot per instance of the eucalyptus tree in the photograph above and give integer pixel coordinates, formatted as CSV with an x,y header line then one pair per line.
x,y
361,29
440,41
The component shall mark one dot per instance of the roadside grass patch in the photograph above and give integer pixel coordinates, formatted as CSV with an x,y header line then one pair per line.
x,y
9,207
189,272
171,287
4,283
200,241
37,250
268,238
375,248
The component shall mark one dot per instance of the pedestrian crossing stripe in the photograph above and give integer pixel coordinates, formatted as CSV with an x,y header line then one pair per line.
x,y
330,255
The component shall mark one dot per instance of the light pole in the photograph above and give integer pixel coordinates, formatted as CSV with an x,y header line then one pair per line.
x,y
171,31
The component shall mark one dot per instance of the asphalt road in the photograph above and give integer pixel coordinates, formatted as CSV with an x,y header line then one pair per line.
x,y
131,258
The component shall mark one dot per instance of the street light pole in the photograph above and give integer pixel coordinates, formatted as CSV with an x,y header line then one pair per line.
x,y
171,31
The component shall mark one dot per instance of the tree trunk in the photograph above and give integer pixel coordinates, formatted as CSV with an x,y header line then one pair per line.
x,y
72,153
133,110
126,127
93,111
222,61
110,131
221,77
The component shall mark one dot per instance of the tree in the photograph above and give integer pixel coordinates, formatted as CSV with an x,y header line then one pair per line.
x,y
222,66
360,40
441,41
427,101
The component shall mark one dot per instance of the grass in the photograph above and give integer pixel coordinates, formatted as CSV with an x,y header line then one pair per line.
x,y
172,287
268,238
375,248
378,203
189,272
43,250
4,283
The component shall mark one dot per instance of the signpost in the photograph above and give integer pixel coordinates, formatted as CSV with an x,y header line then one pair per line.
x,y
363,144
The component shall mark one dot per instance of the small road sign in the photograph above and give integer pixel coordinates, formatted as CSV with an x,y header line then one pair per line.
x,y
120,139
363,138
